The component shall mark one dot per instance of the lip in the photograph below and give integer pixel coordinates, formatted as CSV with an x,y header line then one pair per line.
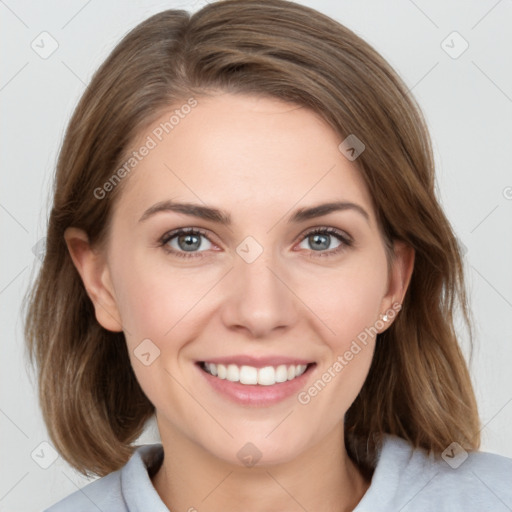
x,y
256,362
255,395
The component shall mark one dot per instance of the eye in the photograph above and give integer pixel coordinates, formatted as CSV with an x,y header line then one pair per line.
x,y
321,239
185,242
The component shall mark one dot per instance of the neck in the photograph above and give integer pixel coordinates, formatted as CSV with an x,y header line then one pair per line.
x,y
322,478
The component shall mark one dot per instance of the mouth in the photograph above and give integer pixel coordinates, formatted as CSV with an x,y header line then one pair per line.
x,y
251,375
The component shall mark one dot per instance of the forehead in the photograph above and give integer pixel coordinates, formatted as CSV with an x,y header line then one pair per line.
x,y
243,152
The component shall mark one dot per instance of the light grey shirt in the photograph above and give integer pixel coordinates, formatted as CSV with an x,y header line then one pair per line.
x,y
404,480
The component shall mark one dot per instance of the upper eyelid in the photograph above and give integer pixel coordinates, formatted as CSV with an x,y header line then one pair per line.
x,y
174,232
329,230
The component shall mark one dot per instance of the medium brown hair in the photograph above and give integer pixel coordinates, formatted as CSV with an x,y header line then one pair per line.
x,y
418,386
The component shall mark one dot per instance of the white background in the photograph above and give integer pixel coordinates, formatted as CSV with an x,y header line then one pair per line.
x,y
467,102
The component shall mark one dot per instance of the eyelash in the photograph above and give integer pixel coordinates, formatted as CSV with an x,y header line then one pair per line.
x,y
346,242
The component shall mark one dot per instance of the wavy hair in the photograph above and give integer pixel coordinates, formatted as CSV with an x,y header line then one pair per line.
x,y
418,386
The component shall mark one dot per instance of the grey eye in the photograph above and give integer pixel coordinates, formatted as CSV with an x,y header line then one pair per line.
x,y
188,242
320,241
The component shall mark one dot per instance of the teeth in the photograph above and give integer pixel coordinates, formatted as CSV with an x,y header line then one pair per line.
x,y
266,376
248,375
233,373
221,370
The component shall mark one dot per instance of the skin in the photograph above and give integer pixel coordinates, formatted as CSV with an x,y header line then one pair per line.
x,y
258,159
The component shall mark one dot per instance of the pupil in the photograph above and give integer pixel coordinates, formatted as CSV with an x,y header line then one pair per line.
x,y
318,239
190,243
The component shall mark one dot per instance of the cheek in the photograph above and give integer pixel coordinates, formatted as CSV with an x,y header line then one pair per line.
x,y
348,299
151,296
354,301
350,307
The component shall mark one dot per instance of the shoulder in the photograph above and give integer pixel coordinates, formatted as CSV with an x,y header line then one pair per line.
x,y
120,491
102,494
409,479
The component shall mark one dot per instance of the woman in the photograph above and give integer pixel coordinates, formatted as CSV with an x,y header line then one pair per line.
x,y
245,242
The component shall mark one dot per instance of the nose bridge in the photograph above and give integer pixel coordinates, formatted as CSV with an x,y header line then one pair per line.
x,y
259,299
258,278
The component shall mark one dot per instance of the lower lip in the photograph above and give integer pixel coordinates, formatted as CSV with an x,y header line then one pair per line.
x,y
255,394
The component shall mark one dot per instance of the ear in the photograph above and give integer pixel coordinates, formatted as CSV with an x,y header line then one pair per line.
x,y
402,266
92,267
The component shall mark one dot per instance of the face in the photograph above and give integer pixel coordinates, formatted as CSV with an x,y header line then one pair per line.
x,y
248,282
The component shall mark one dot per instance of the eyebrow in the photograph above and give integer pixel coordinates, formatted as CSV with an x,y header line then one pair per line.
x,y
223,218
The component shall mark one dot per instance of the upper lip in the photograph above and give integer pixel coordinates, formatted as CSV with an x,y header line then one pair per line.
x,y
257,362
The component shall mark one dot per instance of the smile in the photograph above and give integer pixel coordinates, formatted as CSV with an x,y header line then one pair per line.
x,y
250,375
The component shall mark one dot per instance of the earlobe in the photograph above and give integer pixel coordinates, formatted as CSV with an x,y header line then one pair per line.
x,y
94,272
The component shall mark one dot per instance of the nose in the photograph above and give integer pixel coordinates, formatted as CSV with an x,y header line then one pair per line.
x,y
260,298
